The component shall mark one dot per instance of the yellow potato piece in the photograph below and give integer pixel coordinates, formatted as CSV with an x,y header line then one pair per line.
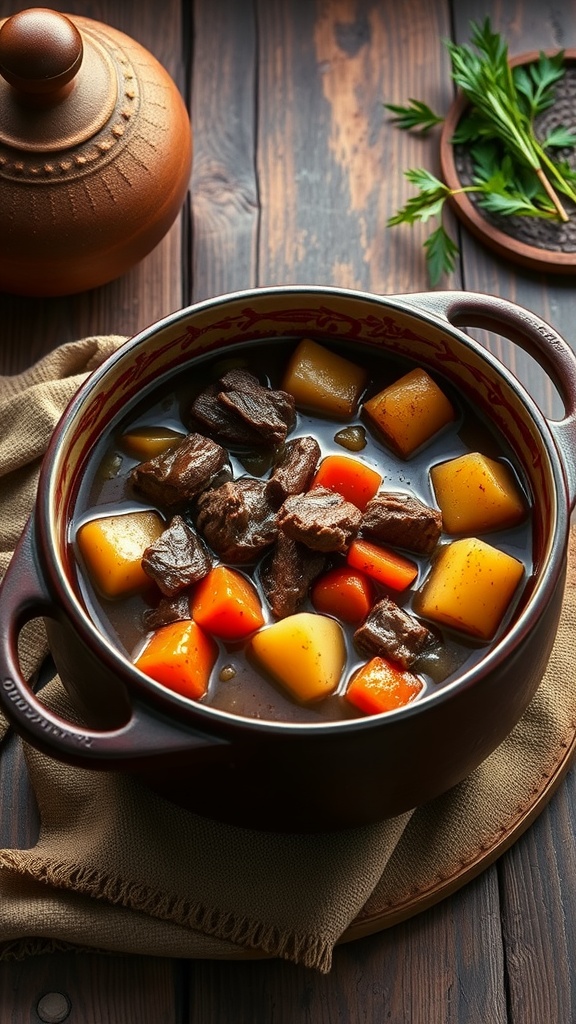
x,y
112,549
304,652
475,494
470,587
324,382
146,442
410,412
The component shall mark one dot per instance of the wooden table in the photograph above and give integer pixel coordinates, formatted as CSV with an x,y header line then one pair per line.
x,y
296,171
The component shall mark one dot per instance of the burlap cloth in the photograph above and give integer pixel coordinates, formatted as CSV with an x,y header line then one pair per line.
x,y
116,868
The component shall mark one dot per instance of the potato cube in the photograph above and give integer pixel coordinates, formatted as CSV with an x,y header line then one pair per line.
x,y
324,382
409,412
470,587
112,548
476,494
146,442
304,652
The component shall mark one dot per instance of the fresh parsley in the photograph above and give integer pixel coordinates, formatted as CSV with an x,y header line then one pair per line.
x,y
416,115
514,172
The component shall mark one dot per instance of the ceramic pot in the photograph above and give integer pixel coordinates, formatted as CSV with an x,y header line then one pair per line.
x,y
273,774
95,153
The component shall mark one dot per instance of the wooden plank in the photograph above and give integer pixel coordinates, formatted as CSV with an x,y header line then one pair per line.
x,y
538,899
446,965
330,180
225,206
115,989
539,915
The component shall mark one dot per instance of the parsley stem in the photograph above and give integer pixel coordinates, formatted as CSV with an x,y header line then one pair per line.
x,y
552,195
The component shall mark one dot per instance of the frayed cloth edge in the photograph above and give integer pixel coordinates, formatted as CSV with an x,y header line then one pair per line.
x,y
301,948
29,945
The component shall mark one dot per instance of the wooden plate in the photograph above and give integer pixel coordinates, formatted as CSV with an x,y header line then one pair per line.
x,y
545,246
454,874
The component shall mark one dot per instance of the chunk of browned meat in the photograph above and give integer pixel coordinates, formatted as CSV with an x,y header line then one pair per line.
x,y
237,519
239,410
295,469
168,609
177,559
403,521
391,632
176,476
321,519
219,421
286,574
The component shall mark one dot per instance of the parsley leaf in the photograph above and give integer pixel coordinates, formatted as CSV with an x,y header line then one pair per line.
x,y
441,252
416,115
513,172
558,138
535,82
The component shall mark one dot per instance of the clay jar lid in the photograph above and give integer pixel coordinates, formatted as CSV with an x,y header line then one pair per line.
x,y
95,153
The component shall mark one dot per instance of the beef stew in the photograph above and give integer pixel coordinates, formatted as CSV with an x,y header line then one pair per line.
x,y
265,507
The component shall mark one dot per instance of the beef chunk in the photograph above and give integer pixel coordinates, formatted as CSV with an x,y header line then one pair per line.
x,y
402,520
168,609
391,632
237,519
294,471
177,559
286,574
219,421
176,476
239,410
320,519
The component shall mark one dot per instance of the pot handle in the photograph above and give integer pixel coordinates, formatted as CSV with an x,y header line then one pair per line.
x,y
534,335
24,595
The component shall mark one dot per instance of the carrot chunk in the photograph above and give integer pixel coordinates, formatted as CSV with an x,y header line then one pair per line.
x,y
226,604
382,564
344,593
382,686
354,480
181,656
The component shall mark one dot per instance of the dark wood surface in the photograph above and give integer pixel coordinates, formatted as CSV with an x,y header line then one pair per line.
x,y
296,170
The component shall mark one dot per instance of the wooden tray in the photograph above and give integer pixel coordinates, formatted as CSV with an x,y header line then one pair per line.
x,y
456,875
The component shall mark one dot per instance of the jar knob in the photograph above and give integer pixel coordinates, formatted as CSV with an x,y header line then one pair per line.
x,y
40,54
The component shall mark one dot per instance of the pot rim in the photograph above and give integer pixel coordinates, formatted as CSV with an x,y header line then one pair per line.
x,y
140,687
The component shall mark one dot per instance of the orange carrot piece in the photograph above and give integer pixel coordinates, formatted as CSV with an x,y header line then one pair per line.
x,y
382,686
354,480
344,593
181,656
382,564
226,604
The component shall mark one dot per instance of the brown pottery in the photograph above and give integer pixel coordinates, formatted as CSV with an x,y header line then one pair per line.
x,y
274,774
95,153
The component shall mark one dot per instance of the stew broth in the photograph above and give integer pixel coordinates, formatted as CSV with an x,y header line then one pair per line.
x,y
237,685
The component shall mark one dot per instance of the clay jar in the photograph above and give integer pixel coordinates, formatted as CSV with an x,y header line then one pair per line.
x,y
95,153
